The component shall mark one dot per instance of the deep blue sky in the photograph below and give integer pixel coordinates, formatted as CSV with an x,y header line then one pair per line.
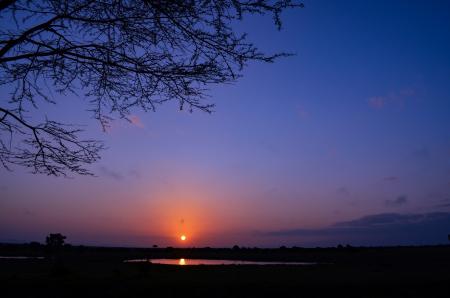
x,y
356,124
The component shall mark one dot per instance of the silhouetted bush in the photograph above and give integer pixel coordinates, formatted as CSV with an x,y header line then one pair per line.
x,y
55,240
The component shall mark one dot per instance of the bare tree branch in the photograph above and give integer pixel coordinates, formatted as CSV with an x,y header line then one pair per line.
x,y
5,3
51,148
122,54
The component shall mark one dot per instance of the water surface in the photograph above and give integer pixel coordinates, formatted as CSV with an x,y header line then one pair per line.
x,y
20,257
212,262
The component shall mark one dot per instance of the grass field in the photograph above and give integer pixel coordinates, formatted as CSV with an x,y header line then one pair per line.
x,y
344,272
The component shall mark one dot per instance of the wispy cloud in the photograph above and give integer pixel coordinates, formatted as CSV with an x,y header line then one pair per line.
x,y
131,121
111,173
136,121
400,97
28,212
343,191
377,102
378,229
399,201
444,203
132,173
135,173
302,112
422,153
391,178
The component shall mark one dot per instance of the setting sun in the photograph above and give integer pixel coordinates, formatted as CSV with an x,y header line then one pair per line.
x,y
183,237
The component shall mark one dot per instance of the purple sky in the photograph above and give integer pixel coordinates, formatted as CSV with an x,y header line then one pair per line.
x,y
346,142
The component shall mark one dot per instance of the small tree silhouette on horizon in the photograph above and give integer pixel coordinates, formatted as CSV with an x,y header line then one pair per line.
x,y
55,241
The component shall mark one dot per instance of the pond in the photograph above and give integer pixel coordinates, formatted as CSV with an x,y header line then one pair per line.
x,y
20,258
194,262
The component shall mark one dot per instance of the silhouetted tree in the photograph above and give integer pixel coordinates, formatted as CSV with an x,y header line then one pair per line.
x,y
121,54
55,241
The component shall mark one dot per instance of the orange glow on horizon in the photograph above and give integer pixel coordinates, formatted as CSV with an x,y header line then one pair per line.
x,y
182,262
185,207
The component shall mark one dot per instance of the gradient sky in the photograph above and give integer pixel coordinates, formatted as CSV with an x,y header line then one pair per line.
x,y
346,142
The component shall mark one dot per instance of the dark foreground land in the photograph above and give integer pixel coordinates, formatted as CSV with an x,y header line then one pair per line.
x,y
343,272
